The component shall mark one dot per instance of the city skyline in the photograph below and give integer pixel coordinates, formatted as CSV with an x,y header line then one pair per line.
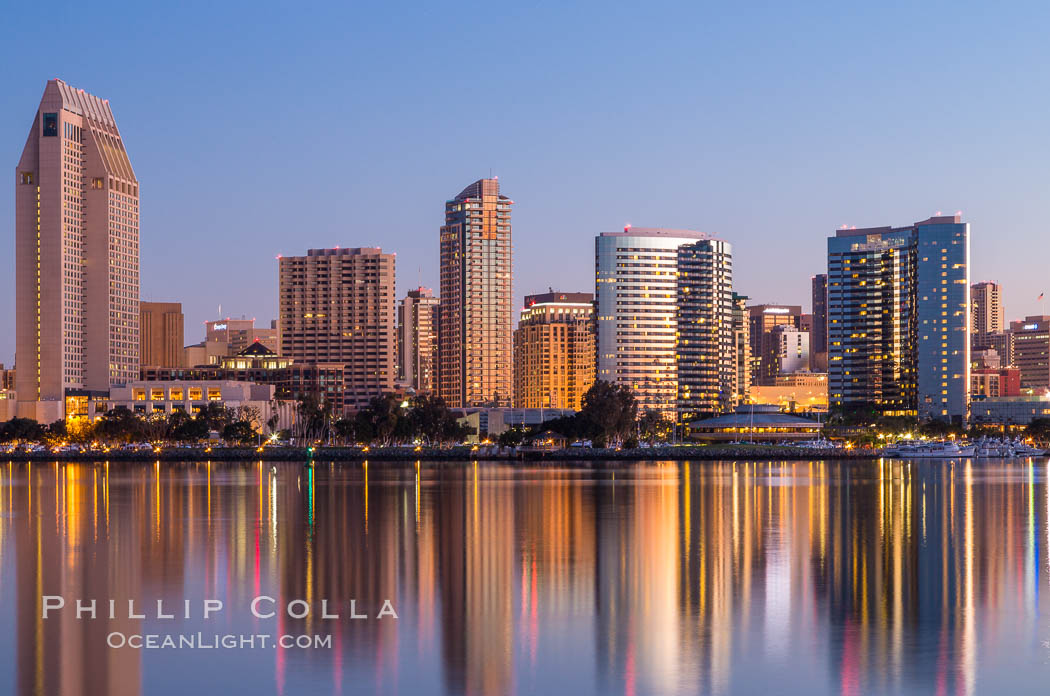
x,y
764,169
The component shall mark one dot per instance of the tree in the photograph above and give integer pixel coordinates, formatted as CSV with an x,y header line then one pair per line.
x,y
512,437
21,429
119,425
385,420
609,412
653,425
1038,429
239,431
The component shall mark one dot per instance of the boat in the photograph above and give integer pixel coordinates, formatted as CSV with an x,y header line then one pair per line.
x,y
928,450
993,448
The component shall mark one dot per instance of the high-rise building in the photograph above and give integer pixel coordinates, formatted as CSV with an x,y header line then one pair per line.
x,y
1031,351
818,339
554,350
742,349
636,289
987,307
161,327
475,346
417,317
76,252
792,348
765,346
338,306
899,319
705,352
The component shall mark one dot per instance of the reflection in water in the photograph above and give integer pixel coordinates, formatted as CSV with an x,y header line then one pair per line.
x,y
800,577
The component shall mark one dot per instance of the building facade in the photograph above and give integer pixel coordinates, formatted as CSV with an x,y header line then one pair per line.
x,y
417,322
161,326
792,347
993,382
636,295
765,344
257,363
899,319
554,350
742,346
987,307
338,306
705,349
818,338
475,345
76,252
1031,351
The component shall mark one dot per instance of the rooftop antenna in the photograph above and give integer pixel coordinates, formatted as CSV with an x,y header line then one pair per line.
x,y
220,310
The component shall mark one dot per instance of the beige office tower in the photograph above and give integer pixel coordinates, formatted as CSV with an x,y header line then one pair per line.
x,y
986,307
161,326
554,350
474,328
417,339
338,306
76,253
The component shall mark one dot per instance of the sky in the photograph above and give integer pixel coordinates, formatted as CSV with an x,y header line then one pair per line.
x,y
262,128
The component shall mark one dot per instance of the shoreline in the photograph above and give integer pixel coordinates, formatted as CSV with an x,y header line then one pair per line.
x,y
453,454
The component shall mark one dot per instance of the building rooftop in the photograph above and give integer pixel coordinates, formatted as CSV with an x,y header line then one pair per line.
x,y
865,231
629,231
758,416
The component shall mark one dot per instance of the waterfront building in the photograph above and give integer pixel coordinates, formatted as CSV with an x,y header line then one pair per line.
x,y
475,346
1031,351
337,306
554,350
755,423
161,334
742,346
490,423
818,339
1010,410
191,397
765,345
417,321
259,364
76,253
636,294
705,352
987,307
899,319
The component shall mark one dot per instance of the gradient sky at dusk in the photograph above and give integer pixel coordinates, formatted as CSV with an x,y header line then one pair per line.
x,y
259,129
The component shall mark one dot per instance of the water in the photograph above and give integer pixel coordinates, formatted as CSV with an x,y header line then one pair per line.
x,y
716,577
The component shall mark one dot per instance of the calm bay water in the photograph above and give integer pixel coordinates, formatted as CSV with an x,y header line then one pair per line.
x,y
715,577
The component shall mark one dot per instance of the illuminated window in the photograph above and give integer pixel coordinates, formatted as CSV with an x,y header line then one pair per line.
x,y
196,394
139,395
214,394
156,395
176,393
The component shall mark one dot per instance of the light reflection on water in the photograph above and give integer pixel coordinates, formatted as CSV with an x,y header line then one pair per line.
x,y
705,577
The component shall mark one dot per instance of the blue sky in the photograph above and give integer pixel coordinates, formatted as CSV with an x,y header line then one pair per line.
x,y
259,129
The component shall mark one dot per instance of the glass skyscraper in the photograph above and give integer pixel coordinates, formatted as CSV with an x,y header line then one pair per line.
x,y
899,319
705,352
636,292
